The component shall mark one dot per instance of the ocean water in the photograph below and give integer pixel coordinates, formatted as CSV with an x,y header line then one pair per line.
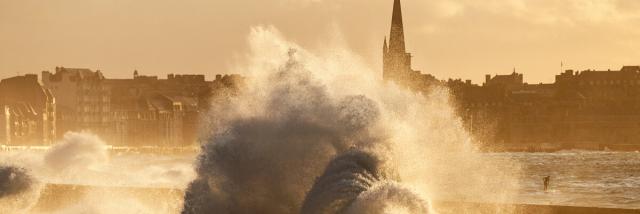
x,y
109,169
578,178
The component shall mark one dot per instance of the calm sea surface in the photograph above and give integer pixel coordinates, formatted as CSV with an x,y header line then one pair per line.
x,y
579,178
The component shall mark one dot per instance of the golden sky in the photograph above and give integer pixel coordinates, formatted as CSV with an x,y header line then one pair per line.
x,y
448,38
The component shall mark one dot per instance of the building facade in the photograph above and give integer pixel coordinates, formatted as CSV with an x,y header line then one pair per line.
x,y
83,100
586,110
150,111
27,112
396,62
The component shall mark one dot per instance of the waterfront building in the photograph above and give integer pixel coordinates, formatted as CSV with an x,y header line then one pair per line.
x,y
510,81
83,100
397,62
27,112
141,111
581,109
585,109
149,111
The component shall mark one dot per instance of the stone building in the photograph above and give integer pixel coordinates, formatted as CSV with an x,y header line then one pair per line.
x,y
141,111
149,111
510,82
151,120
397,62
27,112
83,99
587,110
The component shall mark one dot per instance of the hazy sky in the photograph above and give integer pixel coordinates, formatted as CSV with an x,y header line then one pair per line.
x,y
448,38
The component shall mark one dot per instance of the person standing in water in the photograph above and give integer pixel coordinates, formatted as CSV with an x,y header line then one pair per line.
x,y
546,180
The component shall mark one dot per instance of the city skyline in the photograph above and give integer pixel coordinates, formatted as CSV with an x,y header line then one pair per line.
x,y
319,106
83,99
449,39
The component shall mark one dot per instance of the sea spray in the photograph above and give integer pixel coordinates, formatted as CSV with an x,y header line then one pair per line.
x,y
302,108
267,162
358,182
82,158
19,190
388,197
88,178
77,151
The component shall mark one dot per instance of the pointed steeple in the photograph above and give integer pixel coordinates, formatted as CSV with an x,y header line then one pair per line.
x,y
385,46
396,40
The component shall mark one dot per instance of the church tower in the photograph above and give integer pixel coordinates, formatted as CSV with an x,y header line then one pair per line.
x,y
396,61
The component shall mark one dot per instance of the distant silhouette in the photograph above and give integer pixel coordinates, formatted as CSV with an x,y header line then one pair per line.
x,y
546,182
396,62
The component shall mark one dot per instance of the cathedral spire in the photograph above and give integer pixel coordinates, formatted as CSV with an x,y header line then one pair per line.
x,y
396,39
396,62
385,46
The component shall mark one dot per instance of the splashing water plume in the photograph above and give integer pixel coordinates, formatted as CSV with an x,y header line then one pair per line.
x,y
78,151
84,176
19,191
324,114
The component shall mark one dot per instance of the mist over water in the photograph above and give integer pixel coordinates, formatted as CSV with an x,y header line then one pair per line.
x,y
19,190
78,151
84,161
319,132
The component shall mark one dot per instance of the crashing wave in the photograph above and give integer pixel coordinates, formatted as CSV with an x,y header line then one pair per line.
x,y
356,182
19,191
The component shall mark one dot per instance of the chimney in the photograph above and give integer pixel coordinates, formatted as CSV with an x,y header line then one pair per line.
x,y
46,76
31,77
